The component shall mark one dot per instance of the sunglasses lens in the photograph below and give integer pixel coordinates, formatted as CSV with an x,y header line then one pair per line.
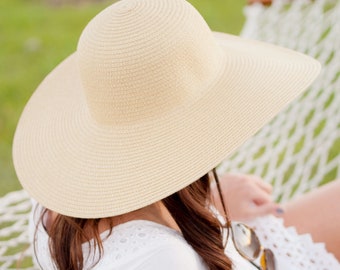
x,y
267,260
246,241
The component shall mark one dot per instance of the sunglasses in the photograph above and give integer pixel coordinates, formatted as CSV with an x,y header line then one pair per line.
x,y
249,247
246,241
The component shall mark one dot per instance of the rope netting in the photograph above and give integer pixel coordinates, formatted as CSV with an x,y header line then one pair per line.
x,y
15,251
297,151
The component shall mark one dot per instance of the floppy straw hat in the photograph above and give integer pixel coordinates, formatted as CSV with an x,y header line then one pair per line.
x,y
150,101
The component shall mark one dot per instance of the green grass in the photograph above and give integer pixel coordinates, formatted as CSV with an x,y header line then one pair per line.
x,y
35,37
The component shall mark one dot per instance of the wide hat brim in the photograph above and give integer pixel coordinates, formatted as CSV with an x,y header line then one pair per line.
x,y
73,166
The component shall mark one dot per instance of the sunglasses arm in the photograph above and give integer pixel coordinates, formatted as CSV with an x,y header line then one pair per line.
x,y
257,267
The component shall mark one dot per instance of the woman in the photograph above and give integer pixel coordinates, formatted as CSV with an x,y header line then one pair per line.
x,y
119,143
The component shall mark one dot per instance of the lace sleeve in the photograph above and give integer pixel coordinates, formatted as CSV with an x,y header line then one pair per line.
x,y
296,251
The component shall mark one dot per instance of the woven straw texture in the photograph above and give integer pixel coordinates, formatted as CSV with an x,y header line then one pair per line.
x,y
147,106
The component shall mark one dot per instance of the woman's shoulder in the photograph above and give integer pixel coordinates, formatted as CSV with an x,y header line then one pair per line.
x,y
142,244
134,245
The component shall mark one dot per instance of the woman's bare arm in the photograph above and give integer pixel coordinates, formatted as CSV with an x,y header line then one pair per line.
x,y
318,213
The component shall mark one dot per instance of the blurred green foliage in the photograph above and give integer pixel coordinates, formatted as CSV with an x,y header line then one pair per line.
x,y
35,36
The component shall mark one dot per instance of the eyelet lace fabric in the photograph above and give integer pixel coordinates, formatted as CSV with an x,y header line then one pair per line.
x,y
139,243
131,241
292,251
297,251
134,245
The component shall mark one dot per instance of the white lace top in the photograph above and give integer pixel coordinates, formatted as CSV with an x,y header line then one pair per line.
x,y
134,245
146,245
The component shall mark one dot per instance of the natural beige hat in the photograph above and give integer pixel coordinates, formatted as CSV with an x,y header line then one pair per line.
x,y
150,101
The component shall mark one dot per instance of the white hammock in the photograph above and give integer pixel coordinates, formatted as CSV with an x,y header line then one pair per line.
x,y
15,252
297,151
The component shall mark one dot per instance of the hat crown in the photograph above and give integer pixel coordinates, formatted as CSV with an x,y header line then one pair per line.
x,y
140,59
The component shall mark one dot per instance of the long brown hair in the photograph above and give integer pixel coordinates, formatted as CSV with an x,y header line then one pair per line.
x,y
200,228
189,208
